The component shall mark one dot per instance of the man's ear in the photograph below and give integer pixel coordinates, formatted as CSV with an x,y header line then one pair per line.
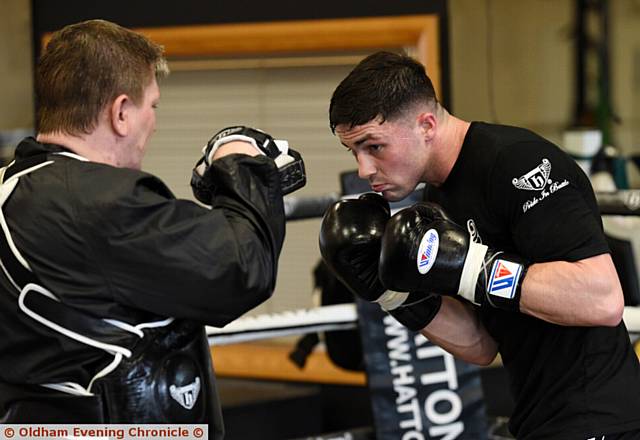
x,y
428,124
119,114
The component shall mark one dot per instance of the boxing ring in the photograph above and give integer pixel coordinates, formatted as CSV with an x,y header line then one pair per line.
x,y
289,323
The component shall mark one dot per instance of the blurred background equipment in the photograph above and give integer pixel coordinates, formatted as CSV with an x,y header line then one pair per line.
x,y
8,141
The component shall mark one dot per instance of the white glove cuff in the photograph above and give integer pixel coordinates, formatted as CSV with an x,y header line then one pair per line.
x,y
225,140
282,159
391,299
473,264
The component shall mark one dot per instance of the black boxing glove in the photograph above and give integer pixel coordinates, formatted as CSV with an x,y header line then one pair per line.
x,y
424,250
350,238
289,162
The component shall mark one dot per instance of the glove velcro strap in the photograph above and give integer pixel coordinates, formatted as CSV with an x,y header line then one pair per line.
x,y
201,166
292,172
391,299
261,141
473,264
288,161
417,316
201,185
503,286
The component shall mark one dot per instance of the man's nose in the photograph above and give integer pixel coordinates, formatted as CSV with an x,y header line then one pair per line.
x,y
366,167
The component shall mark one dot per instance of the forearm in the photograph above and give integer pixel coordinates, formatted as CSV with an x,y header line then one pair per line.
x,y
254,184
457,329
582,293
223,261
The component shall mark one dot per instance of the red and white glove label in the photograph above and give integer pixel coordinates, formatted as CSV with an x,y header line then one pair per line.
x,y
504,278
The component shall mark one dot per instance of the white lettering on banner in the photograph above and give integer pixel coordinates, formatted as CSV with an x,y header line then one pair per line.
x,y
398,347
404,393
412,435
447,427
448,375
449,432
407,403
403,373
439,396
444,423
415,422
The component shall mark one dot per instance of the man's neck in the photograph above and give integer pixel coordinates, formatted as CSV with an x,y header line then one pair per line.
x,y
93,146
449,145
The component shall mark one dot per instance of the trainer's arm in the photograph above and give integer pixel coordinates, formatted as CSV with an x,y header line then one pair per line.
x,y
583,293
457,329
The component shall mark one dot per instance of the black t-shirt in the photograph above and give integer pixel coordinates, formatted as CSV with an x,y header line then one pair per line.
x,y
524,195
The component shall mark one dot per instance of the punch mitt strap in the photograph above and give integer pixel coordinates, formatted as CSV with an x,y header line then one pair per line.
x,y
289,162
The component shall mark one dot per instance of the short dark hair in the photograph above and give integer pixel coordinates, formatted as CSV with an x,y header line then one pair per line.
x,y
383,84
87,65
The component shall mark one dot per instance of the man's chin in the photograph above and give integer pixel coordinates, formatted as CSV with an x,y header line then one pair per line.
x,y
392,196
396,195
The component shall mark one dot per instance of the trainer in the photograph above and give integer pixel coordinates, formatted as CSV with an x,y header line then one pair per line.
x,y
107,279
507,255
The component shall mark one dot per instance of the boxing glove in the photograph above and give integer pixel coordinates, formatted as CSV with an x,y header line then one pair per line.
x,y
422,249
289,162
350,238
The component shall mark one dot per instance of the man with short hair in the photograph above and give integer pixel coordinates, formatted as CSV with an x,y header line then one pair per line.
x,y
507,256
107,279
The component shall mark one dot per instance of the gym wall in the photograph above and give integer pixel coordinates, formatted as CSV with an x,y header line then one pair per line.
x,y
16,85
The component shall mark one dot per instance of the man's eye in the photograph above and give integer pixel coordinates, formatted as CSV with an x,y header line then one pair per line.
x,y
375,147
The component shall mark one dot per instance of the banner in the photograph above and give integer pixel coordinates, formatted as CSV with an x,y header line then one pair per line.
x,y
418,390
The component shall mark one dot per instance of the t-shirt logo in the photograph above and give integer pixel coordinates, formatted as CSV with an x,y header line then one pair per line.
x,y
504,278
536,179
